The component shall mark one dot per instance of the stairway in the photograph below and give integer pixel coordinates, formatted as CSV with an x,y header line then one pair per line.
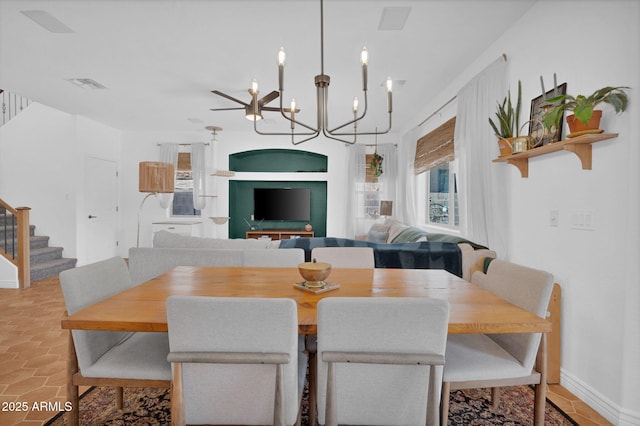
x,y
45,261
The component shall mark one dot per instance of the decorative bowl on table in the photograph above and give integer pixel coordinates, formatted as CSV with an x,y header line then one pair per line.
x,y
314,273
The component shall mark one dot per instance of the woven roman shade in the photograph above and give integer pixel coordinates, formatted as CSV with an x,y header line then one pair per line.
x,y
184,161
435,148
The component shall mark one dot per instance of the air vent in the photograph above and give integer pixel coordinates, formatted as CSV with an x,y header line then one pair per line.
x,y
393,18
86,83
47,21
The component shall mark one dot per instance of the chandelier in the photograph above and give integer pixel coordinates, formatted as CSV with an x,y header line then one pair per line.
x,y
322,80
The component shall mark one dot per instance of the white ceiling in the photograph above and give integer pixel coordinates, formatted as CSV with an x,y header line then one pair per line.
x,y
160,59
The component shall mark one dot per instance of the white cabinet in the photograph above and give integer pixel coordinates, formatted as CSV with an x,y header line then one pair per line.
x,y
187,228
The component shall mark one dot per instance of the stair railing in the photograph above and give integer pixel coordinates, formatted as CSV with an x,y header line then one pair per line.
x,y
12,105
15,233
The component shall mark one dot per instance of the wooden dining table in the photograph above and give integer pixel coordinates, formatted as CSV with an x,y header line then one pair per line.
x,y
142,308
472,310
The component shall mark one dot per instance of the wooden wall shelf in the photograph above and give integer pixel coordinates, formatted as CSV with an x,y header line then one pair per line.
x,y
580,145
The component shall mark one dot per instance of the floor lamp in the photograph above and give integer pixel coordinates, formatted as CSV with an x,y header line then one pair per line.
x,y
154,178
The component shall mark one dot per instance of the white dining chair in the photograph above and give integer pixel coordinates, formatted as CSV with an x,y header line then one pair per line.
x,y
108,358
345,257
146,263
380,360
235,360
337,257
478,360
275,258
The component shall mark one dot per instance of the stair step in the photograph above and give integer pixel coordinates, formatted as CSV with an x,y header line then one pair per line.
x,y
35,242
45,254
51,268
9,231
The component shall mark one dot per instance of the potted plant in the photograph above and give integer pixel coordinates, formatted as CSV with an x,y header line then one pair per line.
x,y
508,117
376,164
585,117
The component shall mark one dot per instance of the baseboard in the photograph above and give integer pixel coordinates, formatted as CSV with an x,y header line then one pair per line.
x,y
8,284
594,399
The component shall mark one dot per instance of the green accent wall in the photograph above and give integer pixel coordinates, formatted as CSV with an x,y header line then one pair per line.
x,y
241,206
278,160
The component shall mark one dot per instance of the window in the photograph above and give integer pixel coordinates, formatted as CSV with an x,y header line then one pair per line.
x,y
183,196
435,169
439,196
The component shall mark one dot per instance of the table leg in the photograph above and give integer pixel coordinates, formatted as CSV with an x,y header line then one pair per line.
x,y
72,389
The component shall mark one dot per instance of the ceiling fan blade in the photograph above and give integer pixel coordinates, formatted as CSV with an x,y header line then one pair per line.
x,y
225,109
278,109
268,98
224,95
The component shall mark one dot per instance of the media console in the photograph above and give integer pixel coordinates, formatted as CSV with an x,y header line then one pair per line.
x,y
279,234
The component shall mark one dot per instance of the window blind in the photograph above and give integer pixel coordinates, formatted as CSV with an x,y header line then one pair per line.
x,y
435,148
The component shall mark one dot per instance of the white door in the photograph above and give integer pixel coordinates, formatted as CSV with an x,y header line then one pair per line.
x,y
101,195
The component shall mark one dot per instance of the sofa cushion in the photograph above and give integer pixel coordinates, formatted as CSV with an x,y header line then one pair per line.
x,y
166,239
446,238
378,233
395,228
410,234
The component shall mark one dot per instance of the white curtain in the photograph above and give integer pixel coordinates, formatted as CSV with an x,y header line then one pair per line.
x,y
355,175
407,206
199,175
168,154
389,178
482,185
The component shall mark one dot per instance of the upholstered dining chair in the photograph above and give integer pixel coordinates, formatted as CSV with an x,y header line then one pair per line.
x,y
235,360
380,360
146,263
477,360
345,257
337,257
108,358
276,258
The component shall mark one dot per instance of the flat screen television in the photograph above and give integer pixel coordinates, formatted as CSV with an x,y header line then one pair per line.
x,y
282,204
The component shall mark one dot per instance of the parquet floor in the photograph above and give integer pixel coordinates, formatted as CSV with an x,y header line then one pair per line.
x,y
33,354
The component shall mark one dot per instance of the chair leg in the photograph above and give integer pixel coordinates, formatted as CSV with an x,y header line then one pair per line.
x,y
541,389
72,389
495,397
312,385
119,397
177,397
444,401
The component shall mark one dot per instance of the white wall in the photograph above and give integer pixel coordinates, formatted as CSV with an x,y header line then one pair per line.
x,y
590,46
38,165
42,154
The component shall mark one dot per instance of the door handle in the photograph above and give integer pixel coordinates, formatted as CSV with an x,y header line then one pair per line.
x,y
93,217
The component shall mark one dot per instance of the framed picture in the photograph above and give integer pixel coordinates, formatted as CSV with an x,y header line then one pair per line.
x,y
537,132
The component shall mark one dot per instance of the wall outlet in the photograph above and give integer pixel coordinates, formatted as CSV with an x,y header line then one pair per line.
x,y
554,217
583,220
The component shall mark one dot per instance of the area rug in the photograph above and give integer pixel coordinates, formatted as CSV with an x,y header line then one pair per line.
x,y
153,407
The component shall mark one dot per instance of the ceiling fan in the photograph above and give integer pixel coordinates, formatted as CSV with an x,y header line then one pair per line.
x,y
249,107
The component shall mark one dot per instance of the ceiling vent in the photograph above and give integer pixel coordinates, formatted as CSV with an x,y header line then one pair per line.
x,y
393,18
47,21
86,83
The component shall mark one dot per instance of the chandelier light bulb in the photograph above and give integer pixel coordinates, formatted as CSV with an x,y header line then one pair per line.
x,y
281,57
355,104
254,86
364,56
389,84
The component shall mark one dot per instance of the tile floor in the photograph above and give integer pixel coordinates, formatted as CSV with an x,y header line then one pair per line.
x,y
33,354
